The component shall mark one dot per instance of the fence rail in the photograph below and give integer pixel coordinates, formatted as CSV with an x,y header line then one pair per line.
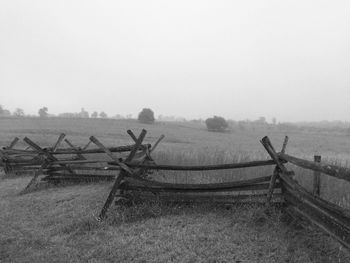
x,y
332,170
199,167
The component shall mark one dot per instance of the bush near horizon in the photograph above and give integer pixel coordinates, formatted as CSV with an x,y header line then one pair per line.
x,y
43,112
217,124
146,116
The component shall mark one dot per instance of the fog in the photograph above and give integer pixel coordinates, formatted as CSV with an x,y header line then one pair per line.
x,y
236,59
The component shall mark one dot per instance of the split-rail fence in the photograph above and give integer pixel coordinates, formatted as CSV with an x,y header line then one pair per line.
x,y
131,174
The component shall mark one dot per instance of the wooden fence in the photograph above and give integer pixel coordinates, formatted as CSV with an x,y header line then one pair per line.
x,y
55,165
331,218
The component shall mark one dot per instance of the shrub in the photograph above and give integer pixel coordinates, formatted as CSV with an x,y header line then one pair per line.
x,y
216,124
146,116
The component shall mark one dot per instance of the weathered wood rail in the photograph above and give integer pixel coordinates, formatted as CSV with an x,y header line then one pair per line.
x,y
130,174
200,167
332,170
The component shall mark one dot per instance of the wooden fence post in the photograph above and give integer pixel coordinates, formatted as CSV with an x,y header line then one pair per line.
x,y
86,146
7,167
46,162
58,142
276,171
79,155
286,138
317,178
124,170
13,143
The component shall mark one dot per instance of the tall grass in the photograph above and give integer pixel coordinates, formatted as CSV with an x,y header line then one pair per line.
x,y
204,157
190,144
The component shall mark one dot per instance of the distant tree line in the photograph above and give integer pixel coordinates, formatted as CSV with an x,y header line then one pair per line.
x,y
44,113
5,113
215,123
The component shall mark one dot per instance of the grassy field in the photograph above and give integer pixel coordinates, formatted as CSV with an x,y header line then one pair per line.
x,y
58,224
190,143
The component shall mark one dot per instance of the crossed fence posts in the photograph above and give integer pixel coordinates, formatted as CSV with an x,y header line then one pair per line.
x,y
45,160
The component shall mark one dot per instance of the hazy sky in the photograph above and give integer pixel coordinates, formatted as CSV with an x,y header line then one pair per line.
x,y
237,59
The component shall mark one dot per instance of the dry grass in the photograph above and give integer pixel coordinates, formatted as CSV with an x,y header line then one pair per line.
x,y
58,224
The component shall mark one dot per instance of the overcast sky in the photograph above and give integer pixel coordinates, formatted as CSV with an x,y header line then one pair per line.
x,y
236,59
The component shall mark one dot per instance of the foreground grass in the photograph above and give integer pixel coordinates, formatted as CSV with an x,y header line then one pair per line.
x,y
58,225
